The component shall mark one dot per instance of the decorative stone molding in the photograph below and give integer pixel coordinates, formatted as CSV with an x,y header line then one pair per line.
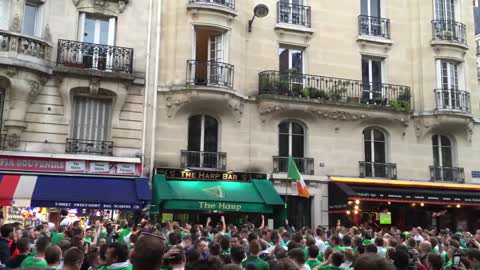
x,y
34,91
47,35
449,124
269,108
175,102
107,7
94,86
11,72
341,115
13,140
237,107
15,26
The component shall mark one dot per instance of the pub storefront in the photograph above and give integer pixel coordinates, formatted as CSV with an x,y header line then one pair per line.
x,y
191,196
376,202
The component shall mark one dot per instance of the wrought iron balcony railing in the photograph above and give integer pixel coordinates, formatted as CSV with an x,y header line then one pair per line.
x,y
226,3
380,170
447,174
26,45
448,30
452,100
89,56
304,165
204,160
210,73
294,14
334,89
373,26
78,146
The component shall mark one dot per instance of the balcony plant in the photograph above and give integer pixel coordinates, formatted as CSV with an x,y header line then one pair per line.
x,y
446,34
338,90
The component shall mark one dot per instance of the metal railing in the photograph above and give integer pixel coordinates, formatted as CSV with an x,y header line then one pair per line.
x,y
92,56
23,44
210,73
447,174
375,169
478,47
450,31
304,165
89,147
227,3
374,26
294,14
204,160
334,89
452,99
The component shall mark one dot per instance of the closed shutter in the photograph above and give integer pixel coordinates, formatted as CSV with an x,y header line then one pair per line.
x,y
4,12
92,118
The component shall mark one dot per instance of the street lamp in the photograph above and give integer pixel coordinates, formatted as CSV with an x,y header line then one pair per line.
x,y
259,11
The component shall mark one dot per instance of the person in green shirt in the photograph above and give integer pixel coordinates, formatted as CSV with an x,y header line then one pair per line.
x,y
53,256
335,243
58,236
333,262
254,250
88,236
117,257
37,260
313,252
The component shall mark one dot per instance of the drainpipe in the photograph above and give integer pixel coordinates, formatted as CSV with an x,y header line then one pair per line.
x,y
147,83
155,87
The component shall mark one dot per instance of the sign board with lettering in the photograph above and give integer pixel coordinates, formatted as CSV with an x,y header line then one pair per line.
x,y
60,204
217,206
209,175
54,165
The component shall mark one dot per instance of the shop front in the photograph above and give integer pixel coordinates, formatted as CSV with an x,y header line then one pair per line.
x,y
83,186
193,196
376,202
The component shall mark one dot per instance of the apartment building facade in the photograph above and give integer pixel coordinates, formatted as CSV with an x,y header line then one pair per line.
x,y
369,95
72,87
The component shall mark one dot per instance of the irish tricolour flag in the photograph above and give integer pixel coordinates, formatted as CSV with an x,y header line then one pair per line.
x,y
293,173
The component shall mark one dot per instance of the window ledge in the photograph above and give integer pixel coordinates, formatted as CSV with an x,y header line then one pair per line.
x,y
193,7
95,73
375,40
442,43
294,28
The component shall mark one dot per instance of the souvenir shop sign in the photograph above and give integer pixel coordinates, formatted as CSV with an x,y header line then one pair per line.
x,y
34,164
199,175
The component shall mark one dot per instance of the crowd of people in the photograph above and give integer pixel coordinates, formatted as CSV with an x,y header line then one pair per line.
x,y
149,245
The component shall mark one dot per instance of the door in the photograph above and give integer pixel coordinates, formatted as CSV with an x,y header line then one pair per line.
x,y
202,142
371,24
217,73
291,70
449,97
292,11
445,17
375,153
291,143
442,158
97,34
372,80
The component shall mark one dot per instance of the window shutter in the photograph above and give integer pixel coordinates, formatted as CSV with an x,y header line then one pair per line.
x,y
92,118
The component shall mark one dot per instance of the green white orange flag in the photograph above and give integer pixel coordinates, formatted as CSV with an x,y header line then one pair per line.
x,y
294,173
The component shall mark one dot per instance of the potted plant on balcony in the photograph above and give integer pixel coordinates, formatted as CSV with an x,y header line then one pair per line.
x,y
337,91
446,35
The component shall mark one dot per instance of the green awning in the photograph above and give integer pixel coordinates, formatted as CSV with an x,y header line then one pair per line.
x,y
256,196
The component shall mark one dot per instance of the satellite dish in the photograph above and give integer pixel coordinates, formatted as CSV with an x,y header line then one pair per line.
x,y
260,11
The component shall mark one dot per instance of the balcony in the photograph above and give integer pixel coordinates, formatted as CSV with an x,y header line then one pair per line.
x,y
90,147
447,174
373,26
304,165
94,57
380,170
19,49
225,3
210,74
294,14
449,31
452,100
335,90
204,160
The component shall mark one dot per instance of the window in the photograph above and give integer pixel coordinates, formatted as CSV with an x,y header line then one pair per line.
x,y
202,142
32,18
92,118
370,8
371,23
375,153
289,59
96,29
445,10
293,12
448,75
476,17
372,78
442,157
450,86
291,139
4,14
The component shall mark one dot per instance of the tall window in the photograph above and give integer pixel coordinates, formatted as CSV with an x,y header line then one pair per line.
x,y
202,141
450,85
291,139
4,14
442,157
292,11
370,8
92,118
445,10
290,58
449,71
32,18
375,152
372,78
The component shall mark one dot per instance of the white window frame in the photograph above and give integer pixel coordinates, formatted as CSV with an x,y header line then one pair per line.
x,y
111,29
290,136
82,135
457,13
6,15
40,10
370,73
